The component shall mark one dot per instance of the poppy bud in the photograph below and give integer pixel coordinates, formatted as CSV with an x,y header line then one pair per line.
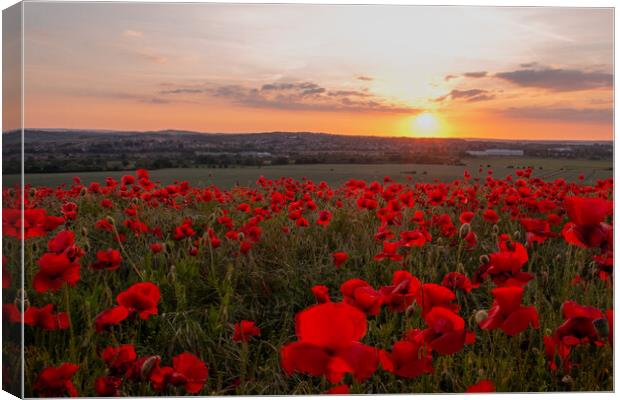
x,y
548,332
602,326
465,229
241,236
481,315
172,274
110,219
135,200
482,373
32,192
484,259
568,380
148,366
495,229
83,191
84,231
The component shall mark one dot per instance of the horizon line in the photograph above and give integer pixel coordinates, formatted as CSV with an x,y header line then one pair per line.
x,y
102,130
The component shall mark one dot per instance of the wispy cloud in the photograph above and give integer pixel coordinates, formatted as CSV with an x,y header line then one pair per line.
x,y
470,95
556,79
591,115
298,95
477,74
365,78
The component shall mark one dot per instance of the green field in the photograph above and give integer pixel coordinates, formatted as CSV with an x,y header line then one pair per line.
x,y
336,174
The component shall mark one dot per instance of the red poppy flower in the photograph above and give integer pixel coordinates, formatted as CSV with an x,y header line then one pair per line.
x,y
482,386
457,280
339,258
507,312
401,293
432,295
320,293
187,371
324,218
466,217
329,344
111,317
56,382
45,318
536,230
587,227
504,266
361,295
119,358
108,386
408,359
390,252
55,269
109,259
490,215
141,298
157,248
578,326
446,332
11,313
245,330
61,242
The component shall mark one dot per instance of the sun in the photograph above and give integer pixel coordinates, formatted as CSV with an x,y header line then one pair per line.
x,y
425,124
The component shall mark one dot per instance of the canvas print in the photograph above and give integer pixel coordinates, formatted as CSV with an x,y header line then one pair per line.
x,y
295,199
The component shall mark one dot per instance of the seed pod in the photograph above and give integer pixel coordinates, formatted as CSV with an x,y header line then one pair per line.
x,y
172,274
481,315
484,259
602,326
84,231
495,229
148,366
83,192
516,235
465,229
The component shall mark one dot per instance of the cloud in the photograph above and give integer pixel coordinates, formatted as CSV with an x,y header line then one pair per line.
x,y
449,77
591,115
301,95
478,74
364,78
556,79
470,95
129,33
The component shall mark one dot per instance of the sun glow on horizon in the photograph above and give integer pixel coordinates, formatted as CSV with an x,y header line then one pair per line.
x,y
426,124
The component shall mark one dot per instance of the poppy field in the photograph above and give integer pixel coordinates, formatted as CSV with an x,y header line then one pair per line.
x,y
293,286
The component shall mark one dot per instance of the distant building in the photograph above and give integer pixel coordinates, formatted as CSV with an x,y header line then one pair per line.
x,y
495,152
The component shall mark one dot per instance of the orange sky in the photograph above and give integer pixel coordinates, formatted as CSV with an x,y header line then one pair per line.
x,y
530,73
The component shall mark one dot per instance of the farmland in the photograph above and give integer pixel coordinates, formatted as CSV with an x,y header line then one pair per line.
x,y
460,278
336,174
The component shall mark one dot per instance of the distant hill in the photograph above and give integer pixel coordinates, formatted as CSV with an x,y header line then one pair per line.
x,y
64,150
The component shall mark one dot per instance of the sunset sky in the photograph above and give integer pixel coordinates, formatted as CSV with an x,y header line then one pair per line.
x,y
515,73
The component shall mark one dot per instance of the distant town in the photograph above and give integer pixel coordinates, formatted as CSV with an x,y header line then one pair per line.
x,y
57,150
